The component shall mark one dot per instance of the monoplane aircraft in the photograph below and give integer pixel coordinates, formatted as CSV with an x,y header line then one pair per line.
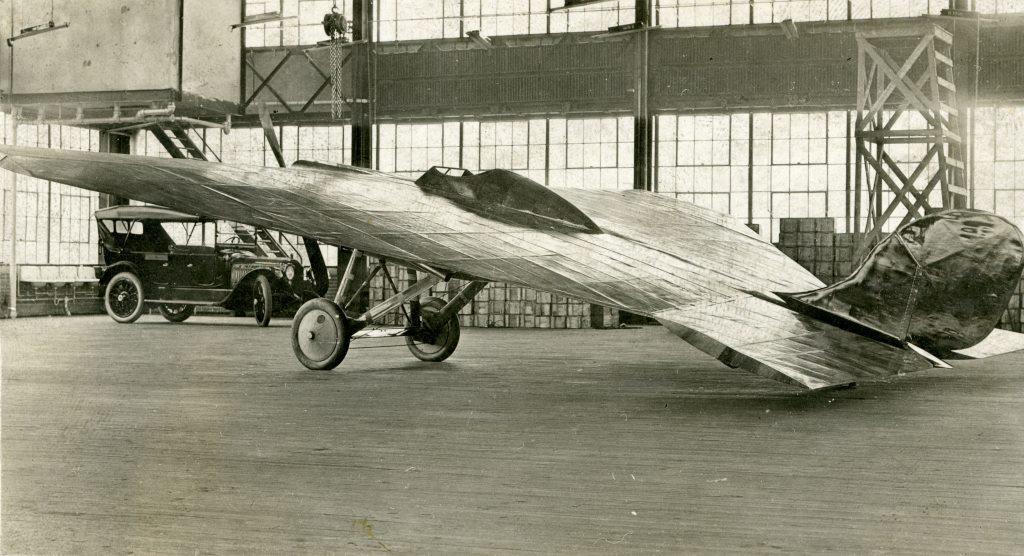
x,y
933,289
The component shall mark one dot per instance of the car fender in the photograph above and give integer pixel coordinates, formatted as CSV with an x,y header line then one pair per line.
x,y
239,287
118,267
246,276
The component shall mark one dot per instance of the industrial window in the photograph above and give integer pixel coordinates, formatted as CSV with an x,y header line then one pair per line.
x,y
799,167
591,153
54,221
511,17
696,13
73,236
417,19
594,17
244,146
435,19
512,145
411,149
268,34
1000,6
306,28
999,161
704,160
877,9
330,144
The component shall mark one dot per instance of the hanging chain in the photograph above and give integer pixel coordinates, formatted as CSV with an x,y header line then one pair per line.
x,y
337,62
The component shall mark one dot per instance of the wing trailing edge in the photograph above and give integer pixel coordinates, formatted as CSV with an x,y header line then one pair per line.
x,y
772,341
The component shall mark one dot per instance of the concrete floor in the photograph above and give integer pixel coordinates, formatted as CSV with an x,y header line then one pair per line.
x,y
208,437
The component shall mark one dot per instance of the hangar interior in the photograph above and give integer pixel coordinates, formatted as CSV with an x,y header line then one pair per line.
x,y
738,114
771,111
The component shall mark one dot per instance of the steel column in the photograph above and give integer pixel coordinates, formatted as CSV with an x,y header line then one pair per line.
x,y
362,113
641,112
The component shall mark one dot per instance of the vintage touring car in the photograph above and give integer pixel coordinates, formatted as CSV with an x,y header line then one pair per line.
x,y
159,257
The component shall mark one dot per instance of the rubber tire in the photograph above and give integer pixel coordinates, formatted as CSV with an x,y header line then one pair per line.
x,y
451,338
186,312
263,283
341,329
134,281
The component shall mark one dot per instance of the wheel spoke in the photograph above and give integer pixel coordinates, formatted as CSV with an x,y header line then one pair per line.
x,y
125,298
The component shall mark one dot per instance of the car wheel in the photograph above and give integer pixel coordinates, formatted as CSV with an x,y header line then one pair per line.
x,y
435,345
177,313
320,334
262,300
124,300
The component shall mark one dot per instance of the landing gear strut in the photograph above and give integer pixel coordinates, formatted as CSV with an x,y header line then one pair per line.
x,y
321,331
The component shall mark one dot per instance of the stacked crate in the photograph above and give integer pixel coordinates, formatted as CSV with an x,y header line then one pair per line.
x,y
811,243
845,255
500,305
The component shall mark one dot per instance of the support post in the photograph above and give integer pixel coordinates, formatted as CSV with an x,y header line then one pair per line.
x,y
346,277
412,292
362,113
13,266
459,300
642,136
12,114
270,134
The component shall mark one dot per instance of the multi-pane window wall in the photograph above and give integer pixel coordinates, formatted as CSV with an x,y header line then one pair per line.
x,y
696,13
593,153
999,162
805,167
54,221
787,164
436,19
703,160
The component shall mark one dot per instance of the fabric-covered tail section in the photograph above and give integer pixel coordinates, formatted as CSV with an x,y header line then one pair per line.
x,y
772,341
940,282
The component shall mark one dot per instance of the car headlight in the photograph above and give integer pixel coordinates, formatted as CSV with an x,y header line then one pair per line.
x,y
289,272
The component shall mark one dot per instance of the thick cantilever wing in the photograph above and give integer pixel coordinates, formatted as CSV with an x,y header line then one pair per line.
x,y
774,342
693,269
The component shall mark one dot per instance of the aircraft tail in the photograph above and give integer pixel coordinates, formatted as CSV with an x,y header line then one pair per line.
x,y
935,287
941,282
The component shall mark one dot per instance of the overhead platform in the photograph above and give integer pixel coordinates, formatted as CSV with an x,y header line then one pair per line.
x,y
699,69
175,61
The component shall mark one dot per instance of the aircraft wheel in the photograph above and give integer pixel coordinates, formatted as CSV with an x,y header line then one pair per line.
x,y
320,334
262,300
435,345
177,313
123,298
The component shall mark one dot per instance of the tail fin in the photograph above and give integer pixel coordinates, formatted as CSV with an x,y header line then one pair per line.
x,y
940,282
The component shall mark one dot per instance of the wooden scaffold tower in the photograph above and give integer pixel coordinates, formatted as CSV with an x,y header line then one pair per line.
x,y
887,89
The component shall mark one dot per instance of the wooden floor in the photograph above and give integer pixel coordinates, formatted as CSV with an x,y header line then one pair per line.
x,y
208,437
